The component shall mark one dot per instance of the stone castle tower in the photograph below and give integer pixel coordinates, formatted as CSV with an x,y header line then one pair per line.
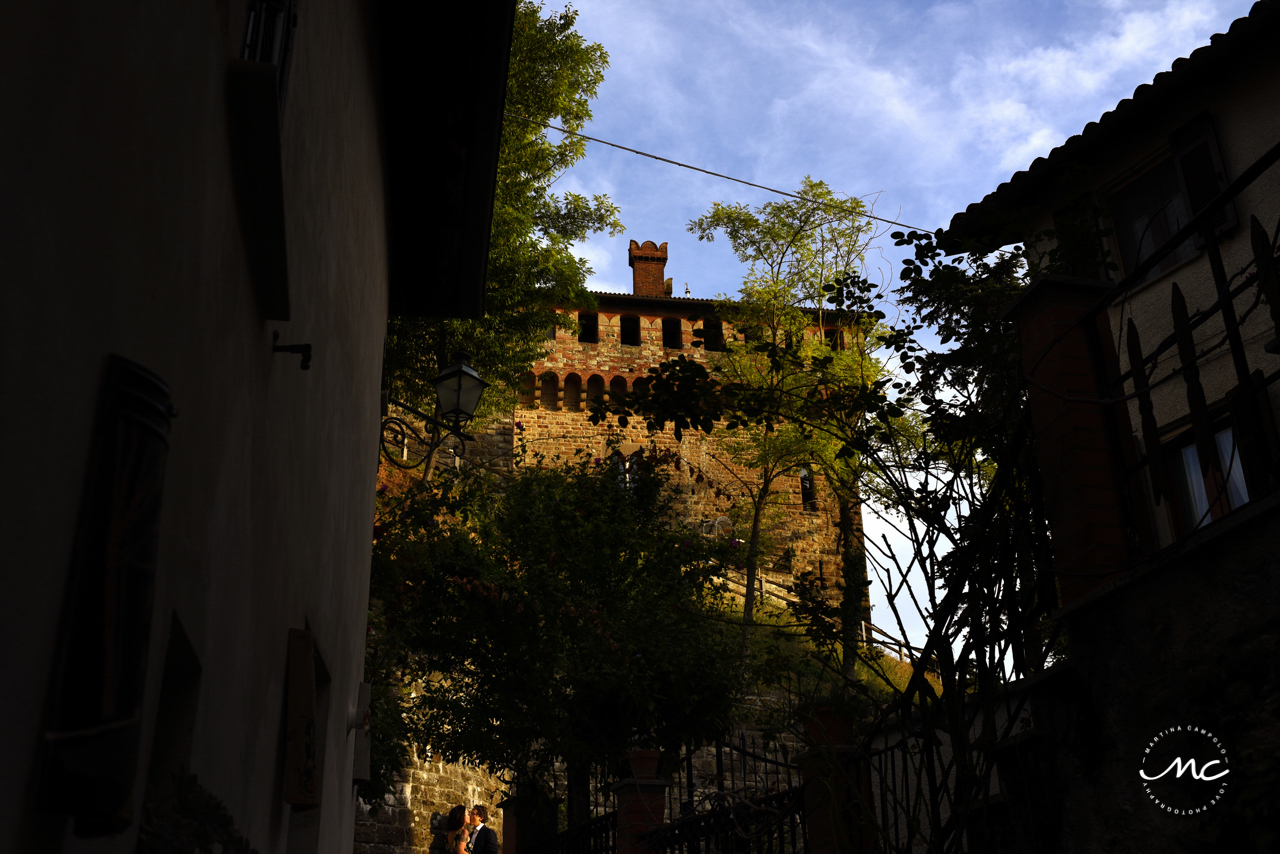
x,y
613,351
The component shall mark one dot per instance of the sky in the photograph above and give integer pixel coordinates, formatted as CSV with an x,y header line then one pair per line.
x,y
920,108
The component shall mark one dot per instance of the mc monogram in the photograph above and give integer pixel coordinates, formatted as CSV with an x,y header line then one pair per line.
x,y
1198,760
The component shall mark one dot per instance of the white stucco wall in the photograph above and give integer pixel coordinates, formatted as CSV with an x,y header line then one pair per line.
x,y
119,234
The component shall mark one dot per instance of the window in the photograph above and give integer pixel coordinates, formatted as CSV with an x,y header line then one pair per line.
x,y
307,695
595,387
1148,211
808,493
617,387
834,338
588,327
268,37
672,333
713,334
550,391
629,327
628,466
175,715
1211,494
573,392
528,389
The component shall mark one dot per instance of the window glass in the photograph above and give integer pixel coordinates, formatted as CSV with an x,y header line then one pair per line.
x,y
1146,213
808,494
1237,492
1193,486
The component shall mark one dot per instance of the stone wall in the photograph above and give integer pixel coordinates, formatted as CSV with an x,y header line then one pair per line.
x,y
707,485
552,420
412,820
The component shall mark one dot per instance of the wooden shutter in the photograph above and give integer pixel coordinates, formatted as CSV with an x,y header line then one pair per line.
x,y
1199,162
301,771
253,123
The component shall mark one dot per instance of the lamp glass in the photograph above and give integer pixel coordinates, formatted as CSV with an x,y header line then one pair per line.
x,y
458,390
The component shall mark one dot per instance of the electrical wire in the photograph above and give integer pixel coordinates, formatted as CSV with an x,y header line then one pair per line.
x,y
716,174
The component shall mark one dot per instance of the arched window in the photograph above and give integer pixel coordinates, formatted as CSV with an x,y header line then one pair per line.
x,y
550,391
672,333
627,466
629,330
617,387
573,393
588,327
595,387
808,491
712,334
528,390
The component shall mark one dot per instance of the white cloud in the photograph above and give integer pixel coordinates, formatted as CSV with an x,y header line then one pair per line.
x,y
934,105
601,260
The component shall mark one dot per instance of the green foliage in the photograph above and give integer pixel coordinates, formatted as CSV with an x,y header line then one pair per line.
x,y
554,74
564,613
804,244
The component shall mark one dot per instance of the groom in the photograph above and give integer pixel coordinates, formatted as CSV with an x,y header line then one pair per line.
x,y
483,839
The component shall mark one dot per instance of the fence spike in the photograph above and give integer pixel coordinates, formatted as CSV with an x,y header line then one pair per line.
x,y
1264,257
1191,376
1150,433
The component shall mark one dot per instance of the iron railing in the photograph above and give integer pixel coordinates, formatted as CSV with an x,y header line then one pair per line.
x,y
768,824
1233,436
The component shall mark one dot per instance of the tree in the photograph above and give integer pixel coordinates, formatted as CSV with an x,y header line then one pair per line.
x,y
554,74
758,457
945,442
794,250
803,243
565,613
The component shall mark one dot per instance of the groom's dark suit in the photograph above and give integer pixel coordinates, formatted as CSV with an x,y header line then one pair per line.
x,y
486,842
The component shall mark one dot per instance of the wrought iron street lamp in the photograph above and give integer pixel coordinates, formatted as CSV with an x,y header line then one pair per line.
x,y
458,392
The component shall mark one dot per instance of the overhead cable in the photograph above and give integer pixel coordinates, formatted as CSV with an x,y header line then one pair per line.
x,y
716,174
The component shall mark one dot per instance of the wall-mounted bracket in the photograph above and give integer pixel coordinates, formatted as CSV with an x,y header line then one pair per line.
x,y
303,350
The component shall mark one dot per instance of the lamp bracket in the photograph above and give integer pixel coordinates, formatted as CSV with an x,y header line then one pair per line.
x,y
399,436
303,350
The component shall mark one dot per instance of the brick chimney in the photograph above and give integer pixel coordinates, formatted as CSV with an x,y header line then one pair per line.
x,y
648,262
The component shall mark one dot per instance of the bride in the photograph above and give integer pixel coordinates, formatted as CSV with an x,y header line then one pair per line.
x,y
458,829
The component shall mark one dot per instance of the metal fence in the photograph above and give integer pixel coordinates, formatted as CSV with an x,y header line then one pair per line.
x,y
768,824
598,836
743,764
1221,453
739,794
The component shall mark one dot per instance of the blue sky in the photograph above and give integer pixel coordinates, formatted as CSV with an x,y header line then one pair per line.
x,y
923,107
